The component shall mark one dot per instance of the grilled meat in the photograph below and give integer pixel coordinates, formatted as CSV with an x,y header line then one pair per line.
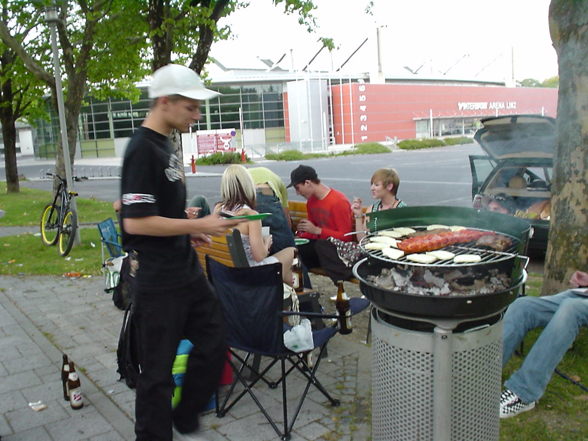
x,y
435,241
497,242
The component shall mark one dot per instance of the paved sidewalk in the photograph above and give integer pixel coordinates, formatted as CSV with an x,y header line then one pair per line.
x,y
42,316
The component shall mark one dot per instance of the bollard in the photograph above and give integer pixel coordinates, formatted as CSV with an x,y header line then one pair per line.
x,y
243,157
193,164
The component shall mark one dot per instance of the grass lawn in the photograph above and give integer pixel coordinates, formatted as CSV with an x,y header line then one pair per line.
x,y
25,254
25,207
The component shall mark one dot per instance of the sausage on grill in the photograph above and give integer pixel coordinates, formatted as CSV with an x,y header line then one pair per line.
x,y
435,241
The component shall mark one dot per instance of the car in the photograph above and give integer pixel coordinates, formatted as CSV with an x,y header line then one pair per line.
x,y
516,174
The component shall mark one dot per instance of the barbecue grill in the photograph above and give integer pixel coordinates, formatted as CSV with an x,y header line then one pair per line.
x,y
437,359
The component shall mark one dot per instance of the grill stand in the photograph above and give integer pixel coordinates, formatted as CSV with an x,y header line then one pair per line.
x,y
442,351
444,360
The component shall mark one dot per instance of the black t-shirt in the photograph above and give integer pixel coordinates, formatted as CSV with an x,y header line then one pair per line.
x,y
152,185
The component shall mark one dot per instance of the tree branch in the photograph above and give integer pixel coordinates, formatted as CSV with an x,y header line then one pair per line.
x,y
206,37
21,53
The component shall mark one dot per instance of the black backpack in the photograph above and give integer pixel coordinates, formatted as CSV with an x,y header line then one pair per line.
x,y
127,353
122,293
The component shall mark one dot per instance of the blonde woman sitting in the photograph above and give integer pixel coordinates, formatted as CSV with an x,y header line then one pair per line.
x,y
238,199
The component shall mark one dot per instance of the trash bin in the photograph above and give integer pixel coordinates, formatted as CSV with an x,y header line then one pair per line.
x,y
435,380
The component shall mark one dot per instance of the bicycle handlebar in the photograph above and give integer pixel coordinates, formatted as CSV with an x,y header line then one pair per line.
x,y
75,178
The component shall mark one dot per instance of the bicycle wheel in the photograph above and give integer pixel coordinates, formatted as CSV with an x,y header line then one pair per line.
x,y
68,232
50,224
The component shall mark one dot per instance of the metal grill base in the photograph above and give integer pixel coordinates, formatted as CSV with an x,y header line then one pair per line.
x,y
435,386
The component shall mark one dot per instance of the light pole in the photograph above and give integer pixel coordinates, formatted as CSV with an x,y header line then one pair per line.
x,y
52,18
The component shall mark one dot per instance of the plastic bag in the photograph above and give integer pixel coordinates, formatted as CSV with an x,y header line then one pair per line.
x,y
299,338
112,268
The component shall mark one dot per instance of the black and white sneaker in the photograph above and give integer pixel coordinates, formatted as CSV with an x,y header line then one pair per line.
x,y
511,404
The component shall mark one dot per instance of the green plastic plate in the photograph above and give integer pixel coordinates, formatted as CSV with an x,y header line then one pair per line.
x,y
252,216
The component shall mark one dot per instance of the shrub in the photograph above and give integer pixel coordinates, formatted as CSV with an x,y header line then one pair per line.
x,y
286,155
458,140
221,158
369,148
413,144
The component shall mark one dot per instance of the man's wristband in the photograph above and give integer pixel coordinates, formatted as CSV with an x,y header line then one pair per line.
x,y
358,216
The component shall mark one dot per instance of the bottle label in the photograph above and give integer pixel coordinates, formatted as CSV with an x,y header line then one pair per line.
x,y
75,397
348,319
73,376
295,280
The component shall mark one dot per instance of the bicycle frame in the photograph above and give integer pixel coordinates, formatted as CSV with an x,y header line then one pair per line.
x,y
65,199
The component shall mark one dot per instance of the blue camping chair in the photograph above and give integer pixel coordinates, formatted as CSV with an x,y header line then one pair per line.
x,y
252,299
110,239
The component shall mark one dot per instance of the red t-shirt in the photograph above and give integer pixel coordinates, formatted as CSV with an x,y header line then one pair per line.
x,y
332,214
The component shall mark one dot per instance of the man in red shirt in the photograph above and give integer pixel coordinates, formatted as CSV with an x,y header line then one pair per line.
x,y
329,215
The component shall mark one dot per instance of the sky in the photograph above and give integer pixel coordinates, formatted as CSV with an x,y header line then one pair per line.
x,y
457,39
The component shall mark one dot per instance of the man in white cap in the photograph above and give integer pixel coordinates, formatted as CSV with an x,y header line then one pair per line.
x,y
172,298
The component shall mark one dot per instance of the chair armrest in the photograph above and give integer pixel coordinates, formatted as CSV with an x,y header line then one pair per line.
x,y
116,244
308,314
356,304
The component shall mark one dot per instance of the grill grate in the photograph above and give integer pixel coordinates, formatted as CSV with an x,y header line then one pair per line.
x,y
487,256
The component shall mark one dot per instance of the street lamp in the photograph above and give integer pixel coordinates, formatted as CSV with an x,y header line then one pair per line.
x,y
52,18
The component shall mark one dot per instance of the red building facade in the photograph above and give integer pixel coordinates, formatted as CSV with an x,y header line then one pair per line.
x,y
379,112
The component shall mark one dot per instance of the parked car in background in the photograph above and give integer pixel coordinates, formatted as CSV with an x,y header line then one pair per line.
x,y
515,176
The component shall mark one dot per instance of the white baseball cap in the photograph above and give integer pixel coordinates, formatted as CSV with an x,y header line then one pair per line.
x,y
174,79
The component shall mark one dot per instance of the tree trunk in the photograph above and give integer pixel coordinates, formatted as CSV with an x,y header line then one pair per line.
x,y
162,40
567,250
176,140
9,133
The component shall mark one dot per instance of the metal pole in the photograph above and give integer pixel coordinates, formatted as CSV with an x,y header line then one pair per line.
x,y
442,383
52,19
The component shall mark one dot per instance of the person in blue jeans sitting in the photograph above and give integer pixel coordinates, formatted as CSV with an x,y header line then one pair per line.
x,y
562,315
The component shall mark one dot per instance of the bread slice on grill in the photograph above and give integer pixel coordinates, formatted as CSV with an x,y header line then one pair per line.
x,y
392,253
390,241
421,258
376,246
404,230
467,258
391,233
437,227
442,254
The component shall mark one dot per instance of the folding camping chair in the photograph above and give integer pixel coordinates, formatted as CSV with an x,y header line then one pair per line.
x,y
110,241
252,300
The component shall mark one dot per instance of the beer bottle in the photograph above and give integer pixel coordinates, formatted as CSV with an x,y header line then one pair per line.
x,y
298,278
343,309
64,375
74,388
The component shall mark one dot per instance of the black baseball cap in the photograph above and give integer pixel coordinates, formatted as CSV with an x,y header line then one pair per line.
x,y
301,174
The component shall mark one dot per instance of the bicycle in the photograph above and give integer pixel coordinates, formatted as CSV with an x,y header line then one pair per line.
x,y
58,222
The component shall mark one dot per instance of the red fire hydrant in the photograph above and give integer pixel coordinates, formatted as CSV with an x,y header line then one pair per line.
x,y
193,164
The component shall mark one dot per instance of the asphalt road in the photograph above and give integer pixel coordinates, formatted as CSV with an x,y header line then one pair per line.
x,y
439,176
